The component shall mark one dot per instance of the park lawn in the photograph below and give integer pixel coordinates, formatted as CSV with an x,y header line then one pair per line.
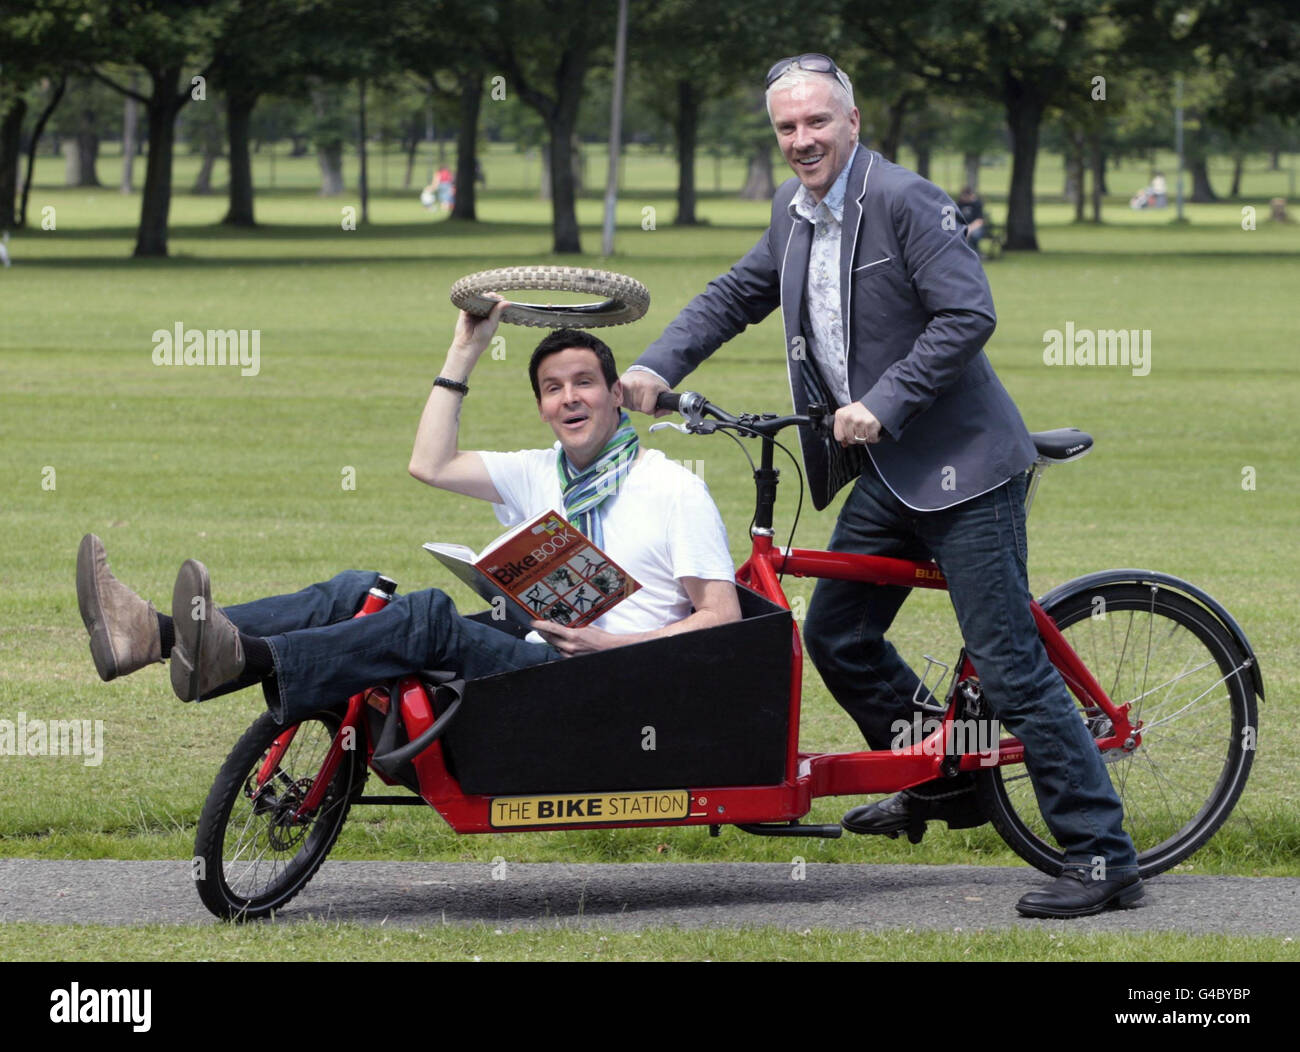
x,y
247,472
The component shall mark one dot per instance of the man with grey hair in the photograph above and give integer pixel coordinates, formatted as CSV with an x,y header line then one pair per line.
x,y
886,312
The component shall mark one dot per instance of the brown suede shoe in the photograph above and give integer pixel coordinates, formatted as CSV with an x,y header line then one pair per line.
x,y
207,652
123,627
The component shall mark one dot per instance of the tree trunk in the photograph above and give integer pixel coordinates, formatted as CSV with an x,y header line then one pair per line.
x,y
81,152
239,113
1070,167
894,127
11,136
32,144
471,98
923,160
1024,117
363,177
130,135
1098,173
1238,163
411,143
211,153
155,206
687,126
330,159
87,147
1275,159
1202,192
971,162
564,217
298,146
759,185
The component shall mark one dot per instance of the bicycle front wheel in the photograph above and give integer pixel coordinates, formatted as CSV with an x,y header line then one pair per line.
x,y
252,855
1189,693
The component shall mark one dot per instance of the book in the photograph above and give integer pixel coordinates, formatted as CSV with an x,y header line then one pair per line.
x,y
544,569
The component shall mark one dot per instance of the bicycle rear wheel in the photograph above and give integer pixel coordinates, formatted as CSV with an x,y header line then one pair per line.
x,y
1185,680
252,855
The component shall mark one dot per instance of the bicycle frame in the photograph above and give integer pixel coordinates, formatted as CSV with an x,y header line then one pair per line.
x,y
807,775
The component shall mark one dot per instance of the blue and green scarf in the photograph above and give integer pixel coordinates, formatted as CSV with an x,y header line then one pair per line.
x,y
585,491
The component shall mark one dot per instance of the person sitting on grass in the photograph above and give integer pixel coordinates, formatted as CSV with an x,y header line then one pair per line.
x,y
653,517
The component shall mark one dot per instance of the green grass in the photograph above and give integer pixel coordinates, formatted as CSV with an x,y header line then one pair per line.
x,y
245,472
323,941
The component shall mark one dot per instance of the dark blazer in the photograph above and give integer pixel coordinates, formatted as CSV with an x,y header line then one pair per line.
x,y
917,312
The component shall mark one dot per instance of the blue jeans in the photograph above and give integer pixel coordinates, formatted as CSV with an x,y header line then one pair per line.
x,y
323,655
981,548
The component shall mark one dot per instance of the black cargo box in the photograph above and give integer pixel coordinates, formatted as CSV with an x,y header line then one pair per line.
x,y
707,708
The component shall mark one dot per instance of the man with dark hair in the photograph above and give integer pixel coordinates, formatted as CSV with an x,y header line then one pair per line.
x,y
651,516
886,312
563,339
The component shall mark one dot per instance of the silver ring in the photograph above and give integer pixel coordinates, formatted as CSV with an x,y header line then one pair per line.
x,y
860,438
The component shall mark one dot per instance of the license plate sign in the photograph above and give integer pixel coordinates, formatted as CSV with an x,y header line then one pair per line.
x,y
563,809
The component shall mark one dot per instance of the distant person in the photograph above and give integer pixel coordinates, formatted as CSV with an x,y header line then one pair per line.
x,y
971,208
429,195
445,184
1159,190
1154,195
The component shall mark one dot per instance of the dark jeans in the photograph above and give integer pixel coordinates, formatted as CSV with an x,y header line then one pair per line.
x,y
323,655
980,546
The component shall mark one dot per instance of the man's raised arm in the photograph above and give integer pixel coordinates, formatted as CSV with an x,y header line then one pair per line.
x,y
437,457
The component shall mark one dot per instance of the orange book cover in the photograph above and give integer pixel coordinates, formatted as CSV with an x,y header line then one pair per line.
x,y
544,569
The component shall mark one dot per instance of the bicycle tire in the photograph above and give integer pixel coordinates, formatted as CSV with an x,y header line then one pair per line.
x,y
228,875
1179,786
626,298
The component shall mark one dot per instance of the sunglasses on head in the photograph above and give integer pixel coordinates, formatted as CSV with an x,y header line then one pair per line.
x,y
813,62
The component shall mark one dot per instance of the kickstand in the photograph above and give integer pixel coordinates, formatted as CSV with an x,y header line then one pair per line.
x,y
915,829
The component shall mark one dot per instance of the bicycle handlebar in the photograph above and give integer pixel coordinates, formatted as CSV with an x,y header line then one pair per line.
x,y
694,407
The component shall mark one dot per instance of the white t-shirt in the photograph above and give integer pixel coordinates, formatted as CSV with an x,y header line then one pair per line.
x,y
661,525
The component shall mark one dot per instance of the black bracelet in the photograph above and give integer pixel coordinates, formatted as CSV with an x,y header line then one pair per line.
x,y
454,385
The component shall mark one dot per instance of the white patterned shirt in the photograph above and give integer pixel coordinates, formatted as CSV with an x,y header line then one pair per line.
x,y
826,341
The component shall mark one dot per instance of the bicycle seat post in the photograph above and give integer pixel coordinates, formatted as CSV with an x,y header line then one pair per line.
x,y
1031,484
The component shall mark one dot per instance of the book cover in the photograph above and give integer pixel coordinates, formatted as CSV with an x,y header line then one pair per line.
x,y
544,569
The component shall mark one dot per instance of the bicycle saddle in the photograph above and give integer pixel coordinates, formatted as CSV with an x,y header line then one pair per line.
x,y
1061,444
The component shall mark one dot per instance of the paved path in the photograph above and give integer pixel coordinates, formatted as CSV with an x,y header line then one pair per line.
x,y
628,896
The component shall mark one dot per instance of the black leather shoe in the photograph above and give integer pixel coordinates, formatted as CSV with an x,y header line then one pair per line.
x,y
1072,894
909,812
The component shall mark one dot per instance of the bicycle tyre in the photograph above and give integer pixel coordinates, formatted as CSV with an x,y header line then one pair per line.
x,y
626,298
1179,786
227,874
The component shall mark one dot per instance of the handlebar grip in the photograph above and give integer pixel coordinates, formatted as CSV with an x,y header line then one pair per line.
x,y
669,400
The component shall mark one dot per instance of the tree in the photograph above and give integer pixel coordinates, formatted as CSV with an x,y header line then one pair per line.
x,y
89,113
679,78
1026,56
40,42
166,39
544,49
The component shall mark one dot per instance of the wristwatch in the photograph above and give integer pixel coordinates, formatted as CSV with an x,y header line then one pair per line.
x,y
454,385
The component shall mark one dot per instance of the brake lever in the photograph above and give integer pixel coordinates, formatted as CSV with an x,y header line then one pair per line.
x,y
669,423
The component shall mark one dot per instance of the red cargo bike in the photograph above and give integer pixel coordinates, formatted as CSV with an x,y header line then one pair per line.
x,y
703,728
